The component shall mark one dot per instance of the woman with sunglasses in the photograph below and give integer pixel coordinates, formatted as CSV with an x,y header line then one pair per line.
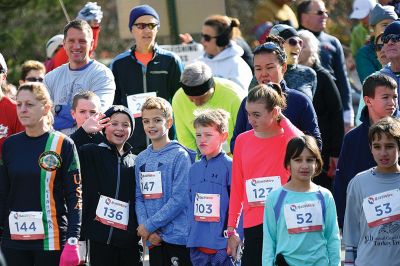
x,y
145,69
270,64
328,106
298,77
222,54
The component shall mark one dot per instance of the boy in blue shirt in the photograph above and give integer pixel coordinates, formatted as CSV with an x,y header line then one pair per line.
x,y
209,189
162,188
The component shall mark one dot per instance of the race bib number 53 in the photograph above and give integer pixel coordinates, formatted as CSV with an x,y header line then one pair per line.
x,y
382,208
26,225
257,189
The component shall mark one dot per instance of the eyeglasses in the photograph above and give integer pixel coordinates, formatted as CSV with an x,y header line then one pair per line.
x,y
34,79
391,37
378,47
318,12
142,26
207,37
294,42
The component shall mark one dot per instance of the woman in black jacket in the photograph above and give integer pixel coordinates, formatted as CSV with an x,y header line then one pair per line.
x,y
328,106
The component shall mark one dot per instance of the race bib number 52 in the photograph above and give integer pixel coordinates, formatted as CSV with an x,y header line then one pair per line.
x,y
303,217
382,208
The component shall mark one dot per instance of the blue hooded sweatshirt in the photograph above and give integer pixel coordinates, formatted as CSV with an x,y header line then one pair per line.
x,y
166,215
354,158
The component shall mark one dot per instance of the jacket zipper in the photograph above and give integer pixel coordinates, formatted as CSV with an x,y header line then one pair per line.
x,y
116,196
144,71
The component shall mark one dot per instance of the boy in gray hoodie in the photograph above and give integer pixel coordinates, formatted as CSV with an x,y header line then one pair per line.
x,y
162,187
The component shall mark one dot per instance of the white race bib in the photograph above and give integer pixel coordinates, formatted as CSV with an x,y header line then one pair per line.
x,y
207,207
382,208
136,101
113,212
303,217
151,185
257,189
26,225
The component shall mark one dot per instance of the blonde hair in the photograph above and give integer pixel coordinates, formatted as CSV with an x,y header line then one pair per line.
x,y
212,117
42,95
160,104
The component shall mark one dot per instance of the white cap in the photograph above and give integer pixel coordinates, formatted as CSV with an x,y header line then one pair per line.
x,y
53,44
361,8
3,63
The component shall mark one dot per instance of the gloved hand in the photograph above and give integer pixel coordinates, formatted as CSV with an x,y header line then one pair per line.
x,y
70,255
91,12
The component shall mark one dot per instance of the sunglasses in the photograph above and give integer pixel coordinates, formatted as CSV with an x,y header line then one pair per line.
x,y
33,79
207,37
142,26
378,47
294,42
318,12
391,37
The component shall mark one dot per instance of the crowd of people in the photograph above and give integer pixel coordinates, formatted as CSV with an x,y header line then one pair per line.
x,y
238,158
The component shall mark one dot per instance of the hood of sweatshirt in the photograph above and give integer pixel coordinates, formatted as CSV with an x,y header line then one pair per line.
x,y
170,146
232,50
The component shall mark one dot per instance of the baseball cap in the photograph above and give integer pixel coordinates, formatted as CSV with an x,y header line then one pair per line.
x,y
53,44
361,8
284,31
379,13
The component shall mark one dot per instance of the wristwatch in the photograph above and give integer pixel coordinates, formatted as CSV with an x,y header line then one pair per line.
x,y
72,241
228,234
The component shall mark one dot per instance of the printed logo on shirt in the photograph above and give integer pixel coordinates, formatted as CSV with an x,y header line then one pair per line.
x,y
293,208
50,161
3,131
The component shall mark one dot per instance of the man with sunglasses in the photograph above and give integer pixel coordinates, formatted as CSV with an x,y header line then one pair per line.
x,y
312,16
32,71
144,70
391,48
9,122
